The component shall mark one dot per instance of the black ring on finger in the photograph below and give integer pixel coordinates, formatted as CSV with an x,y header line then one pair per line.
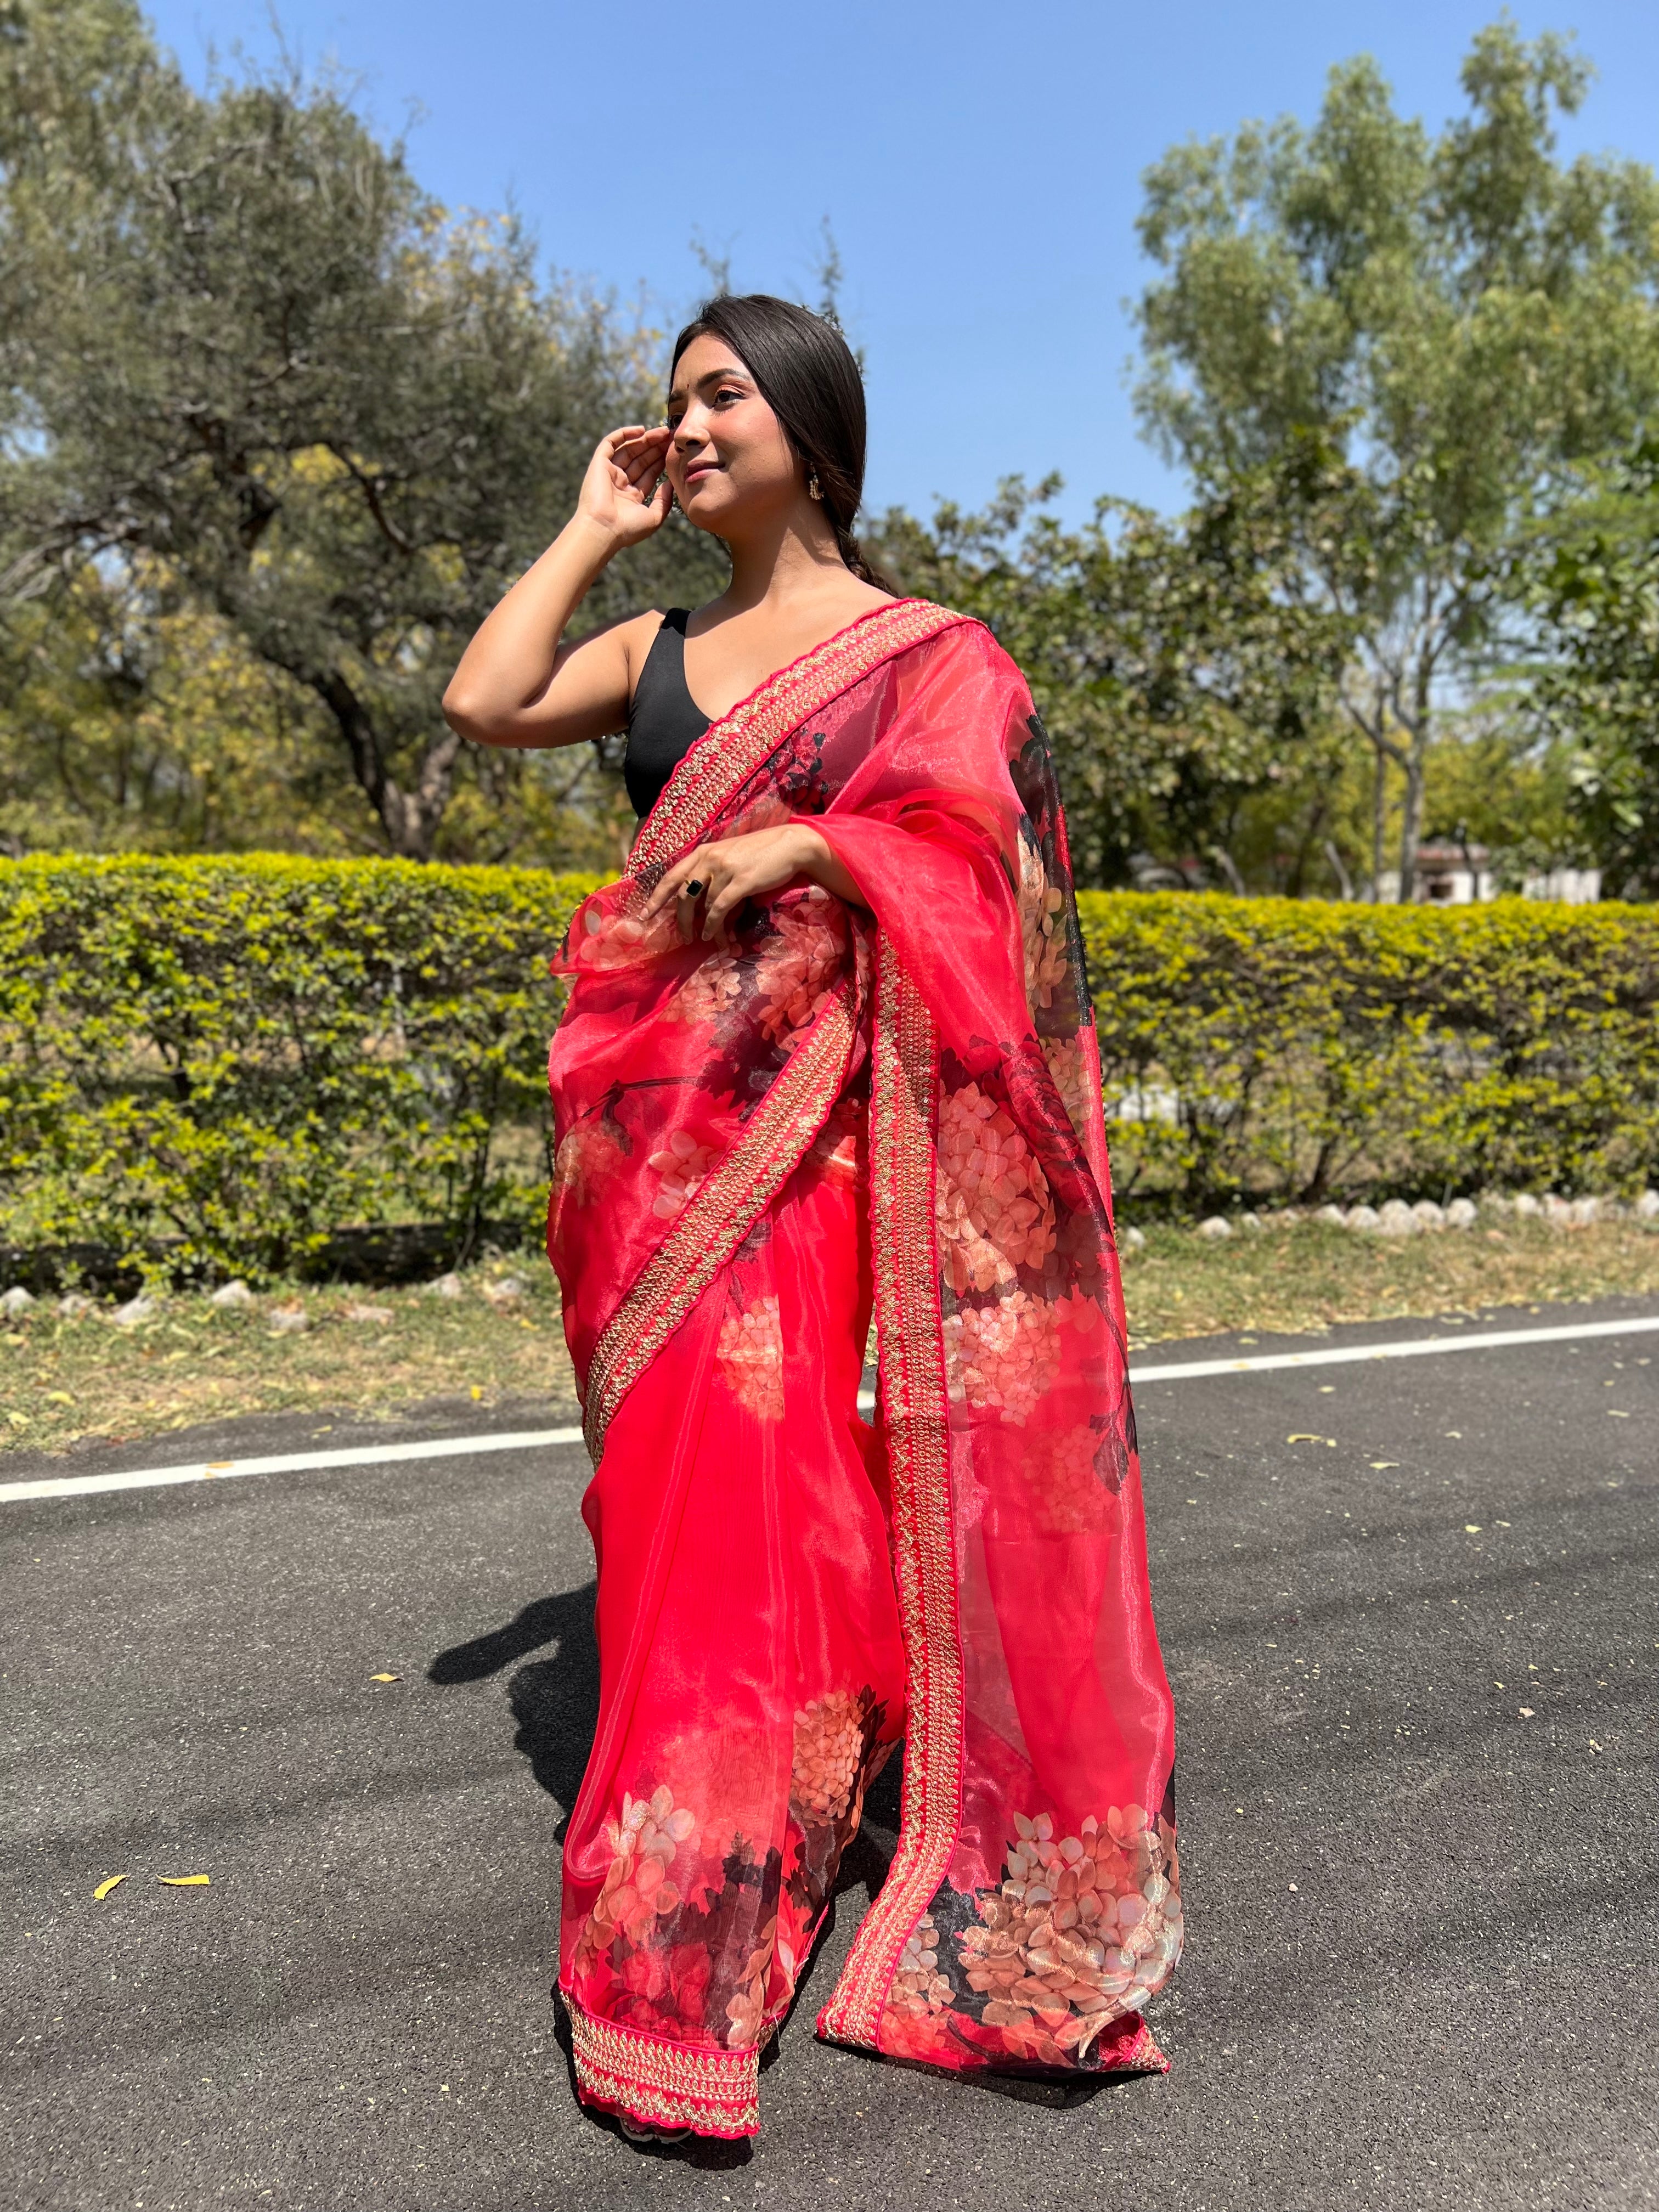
x,y
694,889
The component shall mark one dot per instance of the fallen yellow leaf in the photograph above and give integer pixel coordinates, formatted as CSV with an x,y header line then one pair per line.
x,y
1471,1527
59,1398
184,1880
386,1678
106,1884
1378,1465
477,1390
1309,1438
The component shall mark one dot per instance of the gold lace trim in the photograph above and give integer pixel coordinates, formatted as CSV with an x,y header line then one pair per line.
x,y
774,1140
915,1417
730,751
665,2084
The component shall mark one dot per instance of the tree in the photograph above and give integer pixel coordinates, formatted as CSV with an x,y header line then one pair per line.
x,y
240,344
1593,591
1177,668
1456,320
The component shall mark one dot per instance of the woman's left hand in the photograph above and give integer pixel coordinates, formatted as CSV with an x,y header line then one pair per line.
x,y
720,876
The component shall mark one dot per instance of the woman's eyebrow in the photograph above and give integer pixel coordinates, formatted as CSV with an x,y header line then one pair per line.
x,y
715,376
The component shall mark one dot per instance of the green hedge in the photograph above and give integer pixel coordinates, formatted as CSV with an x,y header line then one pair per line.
x,y
234,1058
1291,1048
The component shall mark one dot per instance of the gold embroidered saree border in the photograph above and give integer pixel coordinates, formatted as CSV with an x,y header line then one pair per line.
x,y
665,2084
709,1229
730,751
916,1420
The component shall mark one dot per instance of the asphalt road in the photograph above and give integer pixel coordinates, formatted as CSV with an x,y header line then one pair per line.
x,y
1424,1928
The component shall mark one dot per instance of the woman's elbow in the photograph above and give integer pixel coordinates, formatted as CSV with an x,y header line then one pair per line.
x,y
465,715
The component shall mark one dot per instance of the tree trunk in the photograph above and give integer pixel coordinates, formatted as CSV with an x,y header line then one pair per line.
x,y
409,818
1379,823
1411,818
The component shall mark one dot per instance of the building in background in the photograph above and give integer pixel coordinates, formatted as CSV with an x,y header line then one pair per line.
x,y
1461,875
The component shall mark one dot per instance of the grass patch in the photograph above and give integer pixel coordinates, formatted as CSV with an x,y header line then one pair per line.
x,y
66,1379
69,1379
1305,1276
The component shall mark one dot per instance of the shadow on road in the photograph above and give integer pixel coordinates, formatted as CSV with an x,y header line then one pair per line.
x,y
554,1702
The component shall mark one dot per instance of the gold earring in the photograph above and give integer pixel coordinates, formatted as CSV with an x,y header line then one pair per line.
x,y
813,491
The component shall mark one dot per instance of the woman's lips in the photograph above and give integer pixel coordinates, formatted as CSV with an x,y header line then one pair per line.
x,y
703,469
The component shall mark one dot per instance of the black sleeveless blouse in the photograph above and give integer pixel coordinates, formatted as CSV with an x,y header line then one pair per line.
x,y
663,720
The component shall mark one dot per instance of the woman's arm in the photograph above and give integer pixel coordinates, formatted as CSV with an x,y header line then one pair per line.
x,y
516,685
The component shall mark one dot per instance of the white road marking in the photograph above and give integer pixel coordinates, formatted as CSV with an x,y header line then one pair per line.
x,y
223,1470
1412,1348
156,1477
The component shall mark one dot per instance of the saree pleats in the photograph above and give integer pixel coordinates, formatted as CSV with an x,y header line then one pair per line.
x,y
751,1671
895,1106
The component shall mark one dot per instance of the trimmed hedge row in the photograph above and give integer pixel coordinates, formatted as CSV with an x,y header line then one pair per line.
x,y
1292,1049
234,1059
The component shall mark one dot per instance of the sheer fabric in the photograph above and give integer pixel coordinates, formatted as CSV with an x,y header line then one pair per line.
x,y
756,1145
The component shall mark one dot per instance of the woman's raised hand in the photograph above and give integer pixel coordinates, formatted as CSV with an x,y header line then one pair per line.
x,y
625,491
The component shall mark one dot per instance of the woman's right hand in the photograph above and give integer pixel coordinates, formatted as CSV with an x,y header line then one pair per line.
x,y
625,492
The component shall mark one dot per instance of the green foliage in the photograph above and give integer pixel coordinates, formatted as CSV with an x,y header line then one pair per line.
x,y
1453,321
246,1054
241,344
1302,1050
233,1058
1594,579
1178,671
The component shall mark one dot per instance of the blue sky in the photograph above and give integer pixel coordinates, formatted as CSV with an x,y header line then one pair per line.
x,y
980,165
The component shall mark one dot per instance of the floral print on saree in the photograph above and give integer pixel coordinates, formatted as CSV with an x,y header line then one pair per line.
x,y
896,1105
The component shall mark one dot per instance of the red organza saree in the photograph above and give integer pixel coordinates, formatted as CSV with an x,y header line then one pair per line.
x,y
840,1110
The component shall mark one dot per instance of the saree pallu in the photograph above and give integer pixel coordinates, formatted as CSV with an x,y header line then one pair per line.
x,y
893,1108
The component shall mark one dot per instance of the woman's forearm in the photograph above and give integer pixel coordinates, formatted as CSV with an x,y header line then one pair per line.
x,y
818,861
509,663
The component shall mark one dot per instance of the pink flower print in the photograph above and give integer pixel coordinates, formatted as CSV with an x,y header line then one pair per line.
x,y
587,1154
1082,1929
918,1987
747,2009
637,1890
750,1354
608,938
991,1203
682,1163
1041,906
1070,1071
1003,1356
829,1752
1068,1491
713,988
799,964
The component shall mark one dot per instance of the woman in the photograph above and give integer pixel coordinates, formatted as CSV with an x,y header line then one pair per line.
x,y
828,1046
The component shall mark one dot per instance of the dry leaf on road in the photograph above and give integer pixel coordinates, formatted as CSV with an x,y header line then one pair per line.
x,y
184,1880
107,1884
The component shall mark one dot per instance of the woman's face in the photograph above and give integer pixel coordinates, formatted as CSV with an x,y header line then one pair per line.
x,y
729,460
